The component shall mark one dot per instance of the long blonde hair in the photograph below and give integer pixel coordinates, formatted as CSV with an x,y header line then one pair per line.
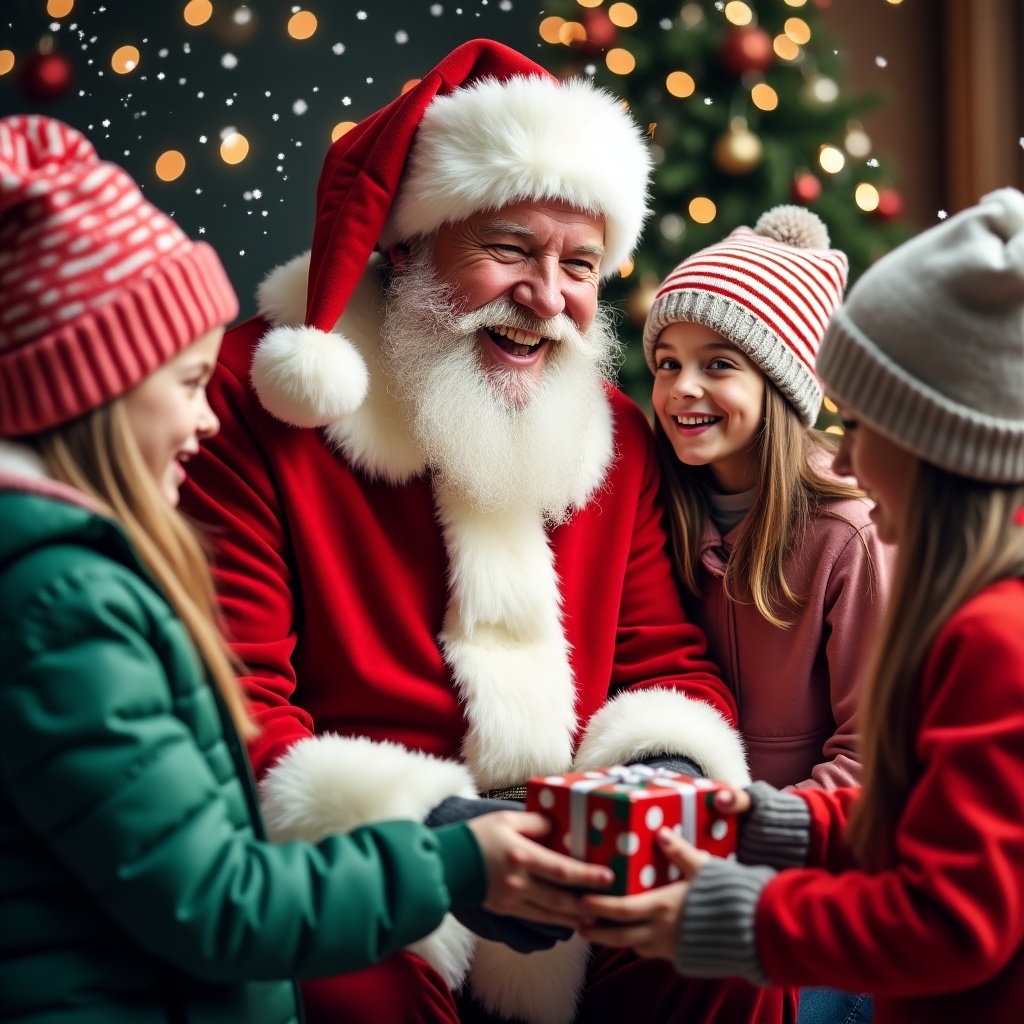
x,y
791,491
98,455
959,537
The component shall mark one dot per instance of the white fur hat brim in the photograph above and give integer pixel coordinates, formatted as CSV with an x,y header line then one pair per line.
x,y
495,143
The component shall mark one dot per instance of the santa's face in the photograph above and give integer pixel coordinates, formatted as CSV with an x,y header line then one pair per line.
x,y
543,260
506,430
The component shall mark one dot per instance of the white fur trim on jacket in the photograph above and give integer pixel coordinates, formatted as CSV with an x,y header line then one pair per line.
x,y
331,783
539,988
492,144
503,641
641,723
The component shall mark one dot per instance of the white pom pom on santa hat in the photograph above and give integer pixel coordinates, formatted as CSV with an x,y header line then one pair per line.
x,y
311,375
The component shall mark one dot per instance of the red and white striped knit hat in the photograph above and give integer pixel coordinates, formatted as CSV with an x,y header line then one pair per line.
x,y
97,287
769,291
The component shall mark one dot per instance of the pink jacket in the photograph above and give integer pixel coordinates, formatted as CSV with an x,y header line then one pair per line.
x,y
796,688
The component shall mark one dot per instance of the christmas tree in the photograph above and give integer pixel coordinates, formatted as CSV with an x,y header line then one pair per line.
x,y
745,110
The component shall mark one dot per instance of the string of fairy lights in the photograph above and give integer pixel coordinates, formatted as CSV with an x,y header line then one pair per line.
x,y
738,149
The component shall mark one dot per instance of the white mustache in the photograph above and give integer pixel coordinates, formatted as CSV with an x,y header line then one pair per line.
x,y
502,312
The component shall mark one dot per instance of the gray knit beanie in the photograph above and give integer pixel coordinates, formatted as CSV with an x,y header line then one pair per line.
x,y
769,291
929,346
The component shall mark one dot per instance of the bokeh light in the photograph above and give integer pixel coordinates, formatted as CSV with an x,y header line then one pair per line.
x,y
798,30
234,148
197,12
59,8
170,165
831,159
125,59
549,29
411,84
6,61
625,269
620,61
572,32
764,97
737,13
702,210
680,84
302,25
341,128
866,197
785,48
622,15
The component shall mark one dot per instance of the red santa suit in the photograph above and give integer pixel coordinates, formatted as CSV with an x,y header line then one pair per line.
x,y
402,644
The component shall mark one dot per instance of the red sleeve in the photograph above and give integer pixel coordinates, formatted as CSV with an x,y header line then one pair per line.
x,y
948,914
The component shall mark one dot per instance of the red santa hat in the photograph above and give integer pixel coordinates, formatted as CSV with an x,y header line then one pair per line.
x,y
487,127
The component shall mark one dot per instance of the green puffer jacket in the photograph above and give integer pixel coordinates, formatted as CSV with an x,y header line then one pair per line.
x,y
135,883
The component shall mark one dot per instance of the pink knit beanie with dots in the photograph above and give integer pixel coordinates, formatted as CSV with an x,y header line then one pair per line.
x,y
97,287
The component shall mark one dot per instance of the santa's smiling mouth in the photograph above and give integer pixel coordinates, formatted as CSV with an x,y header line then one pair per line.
x,y
516,342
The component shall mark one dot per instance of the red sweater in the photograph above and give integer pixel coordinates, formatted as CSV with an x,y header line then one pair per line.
x,y
938,936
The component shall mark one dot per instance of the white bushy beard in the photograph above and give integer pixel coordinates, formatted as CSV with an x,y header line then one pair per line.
x,y
500,439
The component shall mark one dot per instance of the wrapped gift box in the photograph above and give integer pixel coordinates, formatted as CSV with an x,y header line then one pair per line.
x,y
611,816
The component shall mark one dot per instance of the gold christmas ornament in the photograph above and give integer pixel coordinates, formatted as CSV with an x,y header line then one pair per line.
x,y
738,150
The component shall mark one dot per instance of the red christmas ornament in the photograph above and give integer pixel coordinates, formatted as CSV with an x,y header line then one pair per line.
x,y
601,32
46,75
746,48
890,204
805,188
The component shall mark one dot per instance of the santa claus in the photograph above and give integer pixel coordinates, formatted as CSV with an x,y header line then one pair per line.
x,y
436,523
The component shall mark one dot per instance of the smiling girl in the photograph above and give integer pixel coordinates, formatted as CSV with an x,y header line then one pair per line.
x,y
777,555
911,887
137,884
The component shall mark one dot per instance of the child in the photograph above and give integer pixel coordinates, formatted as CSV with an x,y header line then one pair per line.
x,y
916,892
135,884
778,557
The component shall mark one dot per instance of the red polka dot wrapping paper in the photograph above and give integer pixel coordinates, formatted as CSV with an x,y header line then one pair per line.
x,y
611,816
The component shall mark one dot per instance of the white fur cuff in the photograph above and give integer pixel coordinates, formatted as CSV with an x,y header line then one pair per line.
x,y
641,723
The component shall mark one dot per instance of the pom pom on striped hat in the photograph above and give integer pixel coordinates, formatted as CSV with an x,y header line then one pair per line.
x,y
769,291
97,287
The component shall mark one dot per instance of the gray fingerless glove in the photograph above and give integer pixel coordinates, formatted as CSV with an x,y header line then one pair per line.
x,y
716,934
776,830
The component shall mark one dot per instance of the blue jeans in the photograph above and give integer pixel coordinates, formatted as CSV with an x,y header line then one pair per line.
x,y
830,1006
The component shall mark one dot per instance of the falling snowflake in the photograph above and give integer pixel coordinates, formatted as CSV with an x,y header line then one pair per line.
x,y
257,193
202,231
881,62
401,37
338,48
202,138
163,52
942,215
361,15
229,60
708,101
300,107
346,101
873,162
199,191
436,10
665,23
505,5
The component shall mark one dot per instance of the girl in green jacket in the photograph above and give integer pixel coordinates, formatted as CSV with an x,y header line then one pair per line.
x,y
135,881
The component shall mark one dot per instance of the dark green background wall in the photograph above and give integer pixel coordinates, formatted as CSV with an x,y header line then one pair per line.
x,y
260,212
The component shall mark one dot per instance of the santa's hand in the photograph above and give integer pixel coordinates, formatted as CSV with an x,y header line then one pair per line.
x,y
527,880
